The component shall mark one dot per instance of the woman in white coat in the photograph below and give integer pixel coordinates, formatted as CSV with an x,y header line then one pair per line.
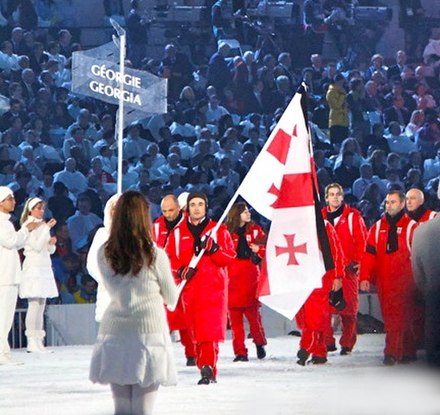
x,y
100,238
133,352
38,281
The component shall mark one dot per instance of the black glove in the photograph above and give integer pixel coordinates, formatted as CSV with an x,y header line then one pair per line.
x,y
255,259
186,273
209,245
351,268
336,299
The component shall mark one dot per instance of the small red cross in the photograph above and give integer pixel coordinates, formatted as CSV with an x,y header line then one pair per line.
x,y
291,249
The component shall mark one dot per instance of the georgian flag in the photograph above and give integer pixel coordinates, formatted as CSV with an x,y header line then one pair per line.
x,y
280,185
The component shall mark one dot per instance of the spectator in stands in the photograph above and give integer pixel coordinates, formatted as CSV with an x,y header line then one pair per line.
x,y
65,42
366,178
77,138
60,205
219,74
399,142
82,223
71,178
397,112
428,136
181,69
415,123
346,173
432,167
134,145
373,98
338,116
137,34
359,125
370,205
84,121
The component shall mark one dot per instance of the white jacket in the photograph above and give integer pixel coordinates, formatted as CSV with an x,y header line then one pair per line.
x,y
10,241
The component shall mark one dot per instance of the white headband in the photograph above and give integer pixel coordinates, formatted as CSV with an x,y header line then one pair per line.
x,y
34,202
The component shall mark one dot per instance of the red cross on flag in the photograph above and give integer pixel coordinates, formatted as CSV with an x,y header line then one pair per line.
x,y
279,185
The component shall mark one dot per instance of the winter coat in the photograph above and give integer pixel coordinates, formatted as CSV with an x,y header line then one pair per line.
x,y
337,101
38,280
204,297
10,241
391,272
167,240
244,274
352,234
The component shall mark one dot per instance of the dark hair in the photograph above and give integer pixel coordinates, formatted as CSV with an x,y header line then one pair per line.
x,y
130,244
233,218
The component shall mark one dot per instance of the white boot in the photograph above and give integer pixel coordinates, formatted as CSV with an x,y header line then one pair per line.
x,y
7,360
32,345
40,341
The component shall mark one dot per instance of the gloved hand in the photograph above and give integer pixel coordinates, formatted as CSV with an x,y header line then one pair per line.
x,y
352,267
186,273
209,245
336,299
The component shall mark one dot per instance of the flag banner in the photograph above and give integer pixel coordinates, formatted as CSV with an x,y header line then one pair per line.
x,y
96,73
280,186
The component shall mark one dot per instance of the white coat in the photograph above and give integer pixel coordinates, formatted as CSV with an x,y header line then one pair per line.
x,y
10,241
38,280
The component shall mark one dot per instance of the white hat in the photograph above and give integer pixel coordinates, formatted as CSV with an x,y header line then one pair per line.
x,y
34,202
182,199
5,192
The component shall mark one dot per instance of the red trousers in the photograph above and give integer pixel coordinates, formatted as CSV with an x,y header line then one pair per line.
x,y
349,330
253,316
312,319
207,355
400,343
187,343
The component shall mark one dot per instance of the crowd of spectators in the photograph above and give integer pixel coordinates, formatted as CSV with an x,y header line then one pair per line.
x,y
375,128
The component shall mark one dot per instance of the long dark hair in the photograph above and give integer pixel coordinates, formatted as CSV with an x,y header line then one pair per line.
x,y
130,244
233,218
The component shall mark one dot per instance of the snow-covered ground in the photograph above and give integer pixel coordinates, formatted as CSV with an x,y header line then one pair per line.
x,y
359,384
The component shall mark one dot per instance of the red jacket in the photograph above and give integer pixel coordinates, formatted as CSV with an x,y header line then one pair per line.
x,y
429,214
243,274
205,295
391,272
352,234
167,240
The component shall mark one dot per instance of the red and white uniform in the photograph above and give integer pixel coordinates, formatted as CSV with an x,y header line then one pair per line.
x,y
204,297
313,316
244,276
352,234
176,319
429,214
393,277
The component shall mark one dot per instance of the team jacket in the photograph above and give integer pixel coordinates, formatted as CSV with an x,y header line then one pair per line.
x,y
352,234
244,274
391,272
205,295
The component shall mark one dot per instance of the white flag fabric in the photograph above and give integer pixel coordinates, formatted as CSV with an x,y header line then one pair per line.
x,y
279,185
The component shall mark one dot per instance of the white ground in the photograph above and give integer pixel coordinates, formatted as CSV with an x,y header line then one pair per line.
x,y
359,384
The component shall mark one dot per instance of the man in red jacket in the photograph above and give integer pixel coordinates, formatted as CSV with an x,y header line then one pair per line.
x,y
166,229
313,316
387,264
204,297
352,233
415,207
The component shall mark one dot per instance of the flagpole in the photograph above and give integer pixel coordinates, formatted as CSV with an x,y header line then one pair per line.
x,y
120,115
